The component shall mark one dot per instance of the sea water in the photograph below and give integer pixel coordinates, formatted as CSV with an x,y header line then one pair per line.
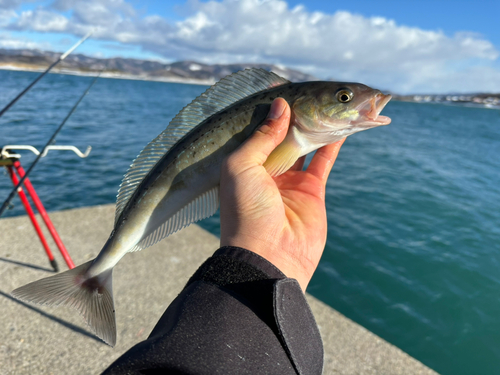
x,y
413,248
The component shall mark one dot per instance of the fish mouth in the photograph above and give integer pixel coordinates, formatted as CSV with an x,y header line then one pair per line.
x,y
370,112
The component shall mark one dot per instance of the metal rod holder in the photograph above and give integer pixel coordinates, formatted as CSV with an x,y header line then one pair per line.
x,y
5,154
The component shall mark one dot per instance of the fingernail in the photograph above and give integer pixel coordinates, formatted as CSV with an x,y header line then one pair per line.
x,y
277,108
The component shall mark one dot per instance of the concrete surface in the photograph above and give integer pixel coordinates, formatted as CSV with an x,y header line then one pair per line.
x,y
41,340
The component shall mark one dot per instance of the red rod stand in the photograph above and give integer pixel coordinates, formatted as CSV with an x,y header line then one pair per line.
x,y
32,217
45,216
43,213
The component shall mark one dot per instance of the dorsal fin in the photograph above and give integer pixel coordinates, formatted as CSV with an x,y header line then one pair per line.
x,y
224,93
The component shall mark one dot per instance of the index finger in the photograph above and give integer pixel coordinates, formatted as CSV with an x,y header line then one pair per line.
x,y
323,160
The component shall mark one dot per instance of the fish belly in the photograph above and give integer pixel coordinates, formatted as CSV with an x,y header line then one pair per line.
x,y
188,175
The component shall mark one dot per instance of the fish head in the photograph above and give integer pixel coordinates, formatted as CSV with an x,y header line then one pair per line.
x,y
329,111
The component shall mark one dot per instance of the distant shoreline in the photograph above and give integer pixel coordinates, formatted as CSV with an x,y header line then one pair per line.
x,y
491,101
189,81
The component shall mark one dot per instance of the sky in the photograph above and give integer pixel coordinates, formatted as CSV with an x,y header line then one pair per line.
x,y
405,46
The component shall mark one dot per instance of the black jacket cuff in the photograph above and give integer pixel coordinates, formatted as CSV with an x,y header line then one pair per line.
x,y
237,314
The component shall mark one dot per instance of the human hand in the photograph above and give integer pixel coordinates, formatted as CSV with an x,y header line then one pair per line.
x,y
283,219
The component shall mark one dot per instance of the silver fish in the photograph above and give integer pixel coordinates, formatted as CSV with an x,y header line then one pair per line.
x,y
175,180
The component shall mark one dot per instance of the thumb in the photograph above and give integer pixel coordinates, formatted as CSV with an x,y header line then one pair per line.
x,y
267,137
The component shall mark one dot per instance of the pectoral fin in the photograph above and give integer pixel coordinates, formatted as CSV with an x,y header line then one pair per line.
x,y
283,157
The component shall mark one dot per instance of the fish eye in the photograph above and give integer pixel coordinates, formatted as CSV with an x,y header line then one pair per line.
x,y
344,95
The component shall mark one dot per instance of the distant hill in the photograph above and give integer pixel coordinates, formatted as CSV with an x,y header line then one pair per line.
x,y
191,72
182,71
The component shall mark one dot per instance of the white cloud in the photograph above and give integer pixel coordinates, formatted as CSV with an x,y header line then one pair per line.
x,y
9,42
342,45
5,16
10,4
42,20
8,8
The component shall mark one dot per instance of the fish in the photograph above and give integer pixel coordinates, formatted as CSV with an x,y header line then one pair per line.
x,y
175,179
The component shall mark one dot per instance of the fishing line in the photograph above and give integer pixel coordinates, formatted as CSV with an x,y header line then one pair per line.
x,y
19,184
61,58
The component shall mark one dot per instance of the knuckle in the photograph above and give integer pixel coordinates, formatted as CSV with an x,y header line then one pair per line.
x,y
268,132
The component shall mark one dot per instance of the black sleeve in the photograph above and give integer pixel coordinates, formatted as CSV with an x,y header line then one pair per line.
x,y
238,314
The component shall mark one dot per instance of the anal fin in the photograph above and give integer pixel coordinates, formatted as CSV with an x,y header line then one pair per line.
x,y
201,207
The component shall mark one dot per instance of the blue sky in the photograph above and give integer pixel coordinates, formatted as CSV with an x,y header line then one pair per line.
x,y
404,46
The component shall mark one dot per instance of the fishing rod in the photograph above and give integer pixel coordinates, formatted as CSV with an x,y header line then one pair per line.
x,y
61,58
45,148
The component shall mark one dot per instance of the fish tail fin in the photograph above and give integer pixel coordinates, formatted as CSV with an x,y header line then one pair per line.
x,y
91,296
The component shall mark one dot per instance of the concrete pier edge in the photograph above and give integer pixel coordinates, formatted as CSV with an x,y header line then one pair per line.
x,y
41,340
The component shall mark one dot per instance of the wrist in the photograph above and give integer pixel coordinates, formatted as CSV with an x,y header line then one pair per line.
x,y
292,267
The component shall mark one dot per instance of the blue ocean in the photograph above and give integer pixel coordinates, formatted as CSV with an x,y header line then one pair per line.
x,y
413,251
